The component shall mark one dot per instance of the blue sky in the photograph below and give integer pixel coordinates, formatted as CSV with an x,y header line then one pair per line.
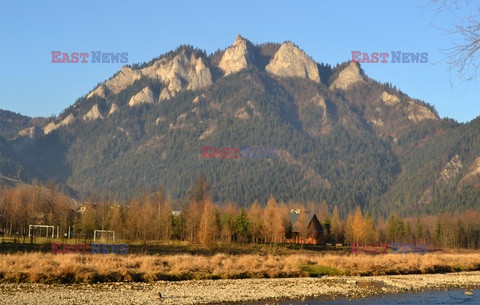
x,y
327,30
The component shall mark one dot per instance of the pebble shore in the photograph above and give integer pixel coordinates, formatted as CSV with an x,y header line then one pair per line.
x,y
231,291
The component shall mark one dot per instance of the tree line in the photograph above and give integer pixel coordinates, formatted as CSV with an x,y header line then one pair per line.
x,y
151,217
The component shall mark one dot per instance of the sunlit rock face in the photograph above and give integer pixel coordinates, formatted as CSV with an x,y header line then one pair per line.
x,y
143,97
93,114
348,77
290,61
237,57
183,71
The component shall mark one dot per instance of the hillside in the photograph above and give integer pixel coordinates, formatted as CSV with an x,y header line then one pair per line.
x,y
340,135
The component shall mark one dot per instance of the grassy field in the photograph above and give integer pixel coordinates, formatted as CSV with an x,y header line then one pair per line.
x,y
77,268
176,247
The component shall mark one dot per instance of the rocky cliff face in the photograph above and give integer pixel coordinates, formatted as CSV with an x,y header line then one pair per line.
x,y
93,114
99,91
52,126
30,132
473,173
237,57
114,108
389,99
417,113
124,78
449,171
164,95
184,71
324,122
348,77
143,97
290,61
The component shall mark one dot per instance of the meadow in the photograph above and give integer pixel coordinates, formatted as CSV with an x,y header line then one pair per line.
x,y
261,262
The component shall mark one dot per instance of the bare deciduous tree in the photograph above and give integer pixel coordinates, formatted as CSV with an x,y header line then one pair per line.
x,y
464,56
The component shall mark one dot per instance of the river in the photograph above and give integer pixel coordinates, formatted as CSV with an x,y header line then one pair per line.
x,y
450,297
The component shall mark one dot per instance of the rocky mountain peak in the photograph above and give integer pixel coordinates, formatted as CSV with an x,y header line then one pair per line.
x,y
237,57
349,76
239,39
184,71
290,61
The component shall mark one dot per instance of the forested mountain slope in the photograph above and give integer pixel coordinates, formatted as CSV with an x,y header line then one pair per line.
x,y
340,135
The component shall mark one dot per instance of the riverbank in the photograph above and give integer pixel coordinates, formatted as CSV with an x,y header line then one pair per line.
x,y
232,291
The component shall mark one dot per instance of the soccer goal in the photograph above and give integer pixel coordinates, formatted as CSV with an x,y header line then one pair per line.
x,y
40,231
104,236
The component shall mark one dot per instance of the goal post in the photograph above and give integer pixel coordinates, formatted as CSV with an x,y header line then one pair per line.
x,y
104,235
36,228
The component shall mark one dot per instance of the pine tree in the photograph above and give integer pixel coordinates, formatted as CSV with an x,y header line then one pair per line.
x,y
437,235
419,233
408,231
242,227
395,230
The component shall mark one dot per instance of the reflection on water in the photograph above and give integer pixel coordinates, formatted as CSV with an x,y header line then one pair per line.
x,y
449,297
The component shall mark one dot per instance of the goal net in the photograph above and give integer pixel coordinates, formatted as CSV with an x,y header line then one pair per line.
x,y
41,231
104,236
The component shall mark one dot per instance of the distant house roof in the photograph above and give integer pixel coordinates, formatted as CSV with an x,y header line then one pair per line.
x,y
315,227
294,215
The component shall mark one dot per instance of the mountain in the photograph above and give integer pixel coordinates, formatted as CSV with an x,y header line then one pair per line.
x,y
341,136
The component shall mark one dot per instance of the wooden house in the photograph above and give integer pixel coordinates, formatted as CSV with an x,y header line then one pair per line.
x,y
314,229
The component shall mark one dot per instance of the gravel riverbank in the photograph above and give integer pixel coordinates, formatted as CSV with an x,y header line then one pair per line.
x,y
231,291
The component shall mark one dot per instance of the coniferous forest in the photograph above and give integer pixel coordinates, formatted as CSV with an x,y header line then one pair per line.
x,y
368,145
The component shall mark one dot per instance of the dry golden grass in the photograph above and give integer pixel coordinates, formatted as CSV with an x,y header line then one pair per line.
x,y
75,268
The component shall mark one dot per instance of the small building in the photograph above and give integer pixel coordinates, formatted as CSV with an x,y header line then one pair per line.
x,y
81,209
314,228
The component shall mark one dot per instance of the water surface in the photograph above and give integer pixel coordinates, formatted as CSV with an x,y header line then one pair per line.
x,y
450,297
